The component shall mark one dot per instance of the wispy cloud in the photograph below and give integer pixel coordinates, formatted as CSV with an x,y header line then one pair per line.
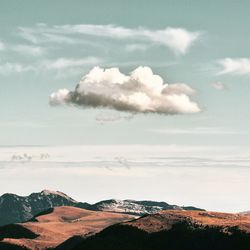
x,y
64,63
9,68
41,33
177,39
218,85
111,116
2,46
136,47
195,131
28,50
234,66
24,49
62,66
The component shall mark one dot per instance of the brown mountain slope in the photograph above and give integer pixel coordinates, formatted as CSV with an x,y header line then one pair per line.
x,y
173,230
57,225
164,220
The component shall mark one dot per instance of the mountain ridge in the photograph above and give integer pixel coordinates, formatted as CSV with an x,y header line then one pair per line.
x,y
17,209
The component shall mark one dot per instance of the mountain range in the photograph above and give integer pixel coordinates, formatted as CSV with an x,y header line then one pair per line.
x,y
72,228
16,209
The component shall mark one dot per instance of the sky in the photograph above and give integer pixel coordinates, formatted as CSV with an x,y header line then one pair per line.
x,y
162,77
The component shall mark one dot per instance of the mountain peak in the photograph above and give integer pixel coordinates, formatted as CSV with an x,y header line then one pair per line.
x,y
14,208
48,192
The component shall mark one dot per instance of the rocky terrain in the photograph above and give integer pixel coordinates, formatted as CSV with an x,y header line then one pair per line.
x,y
136,207
15,208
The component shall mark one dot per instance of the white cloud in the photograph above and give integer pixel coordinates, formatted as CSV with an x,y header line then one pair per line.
x,y
62,66
237,66
111,116
2,46
195,131
64,63
218,85
136,47
177,39
23,49
141,91
28,50
59,97
9,68
43,34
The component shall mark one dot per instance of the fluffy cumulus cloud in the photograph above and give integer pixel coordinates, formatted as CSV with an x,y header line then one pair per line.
x,y
235,66
140,92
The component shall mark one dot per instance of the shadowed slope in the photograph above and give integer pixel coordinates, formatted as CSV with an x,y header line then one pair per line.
x,y
174,230
16,231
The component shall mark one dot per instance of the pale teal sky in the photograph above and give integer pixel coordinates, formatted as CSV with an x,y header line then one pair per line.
x,y
41,52
27,119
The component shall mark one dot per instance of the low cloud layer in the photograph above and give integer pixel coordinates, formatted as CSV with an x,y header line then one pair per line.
x,y
111,116
196,131
140,92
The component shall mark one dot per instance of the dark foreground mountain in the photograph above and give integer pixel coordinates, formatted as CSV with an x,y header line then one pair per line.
x,y
71,228
15,209
172,230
